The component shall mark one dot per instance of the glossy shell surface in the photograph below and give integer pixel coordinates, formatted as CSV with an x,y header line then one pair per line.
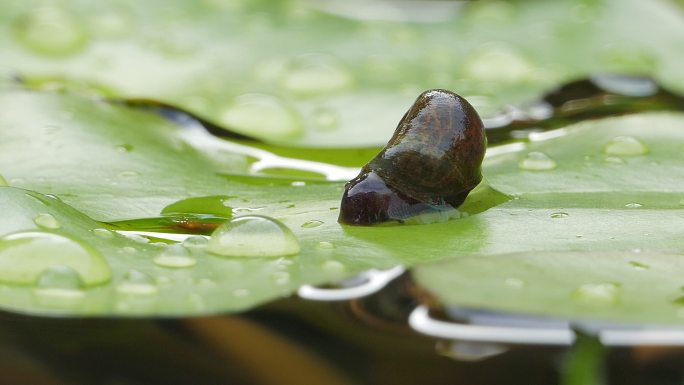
x,y
432,162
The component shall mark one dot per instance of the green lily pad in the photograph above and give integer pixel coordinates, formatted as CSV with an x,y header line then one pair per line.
x,y
108,163
595,237
331,75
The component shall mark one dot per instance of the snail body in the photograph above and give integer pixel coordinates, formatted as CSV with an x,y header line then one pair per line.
x,y
432,162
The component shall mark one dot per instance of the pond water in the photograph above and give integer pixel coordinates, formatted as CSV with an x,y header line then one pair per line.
x,y
296,341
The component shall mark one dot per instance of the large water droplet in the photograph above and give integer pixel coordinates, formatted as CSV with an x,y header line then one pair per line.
x,y
606,293
176,256
625,146
262,115
633,205
315,73
137,283
59,281
51,31
46,221
253,236
24,256
537,161
211,205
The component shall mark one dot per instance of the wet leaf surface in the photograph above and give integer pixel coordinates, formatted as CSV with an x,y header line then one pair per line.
x,y
107,163
310,63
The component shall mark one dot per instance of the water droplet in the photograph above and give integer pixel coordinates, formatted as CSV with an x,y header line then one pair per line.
x,y
59,281
638,265
103,233
298,183
311,224
537,161
625,146
51,31
333,266
124,148
325,245
281,277
606,293
614,160
516,283
211,205
176,256
241,292
53,197
315,73
46,221
195,242
325,119
137,283
253,236
262,115
633,205
24,256
129,250
559,215
3,182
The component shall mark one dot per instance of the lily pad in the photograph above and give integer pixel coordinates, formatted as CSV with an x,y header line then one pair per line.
x,y
597,236
330,75
107,163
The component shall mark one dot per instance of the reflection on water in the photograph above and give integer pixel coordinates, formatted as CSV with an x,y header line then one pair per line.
x,y
598,96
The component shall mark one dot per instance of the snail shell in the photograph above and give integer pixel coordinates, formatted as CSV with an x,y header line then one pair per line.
x,y
432,162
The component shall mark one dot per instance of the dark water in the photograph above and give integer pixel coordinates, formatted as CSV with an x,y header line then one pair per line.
x,y
291,341
595,97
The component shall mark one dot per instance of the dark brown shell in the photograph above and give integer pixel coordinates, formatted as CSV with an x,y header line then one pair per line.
x,y
432,161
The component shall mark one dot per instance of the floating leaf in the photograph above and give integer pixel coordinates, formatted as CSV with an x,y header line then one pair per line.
x,y
345,74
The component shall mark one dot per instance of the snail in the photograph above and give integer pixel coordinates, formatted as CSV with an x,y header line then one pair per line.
x,y
432,162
